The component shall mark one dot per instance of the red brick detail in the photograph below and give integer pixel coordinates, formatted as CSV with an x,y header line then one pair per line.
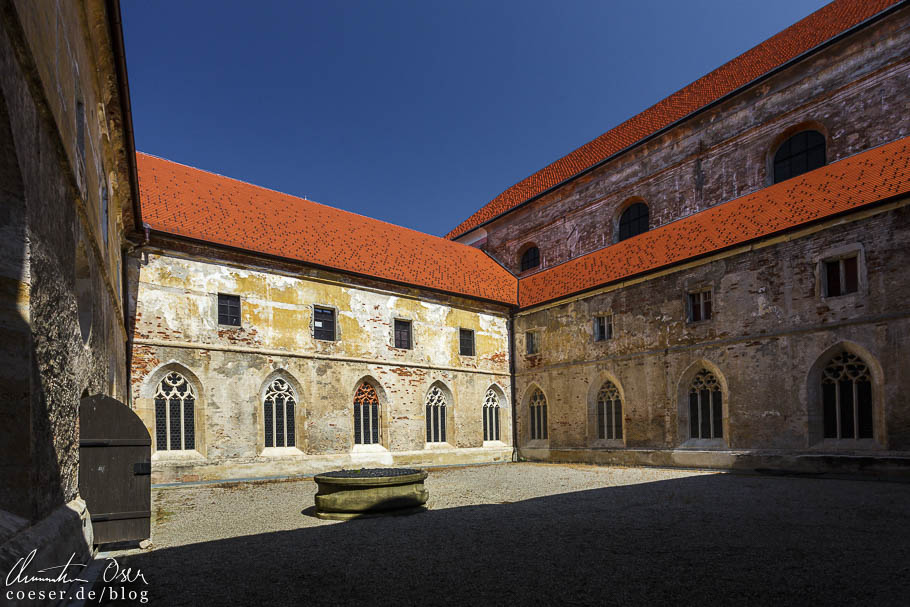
x,y
820,26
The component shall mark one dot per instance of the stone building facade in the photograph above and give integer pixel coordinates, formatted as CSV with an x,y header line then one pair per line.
x,y
68,188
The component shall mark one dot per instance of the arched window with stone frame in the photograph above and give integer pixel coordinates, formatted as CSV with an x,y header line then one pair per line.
x,y
537,412
491,408
634,220
609,412
435,406
706,406
175,413
366,415
800,153
846,388
279,407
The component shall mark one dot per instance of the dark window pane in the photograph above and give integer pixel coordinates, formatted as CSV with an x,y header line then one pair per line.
x,y
633,221
608,328
803,152
176,422
705,406
402,334
832,278
429,416
291,441
706,305
496,423
816,158
161,424
693,415
466,342
486,423
543,424
229,310
530,259
279,422
442,423
374,423
189,423
864,406
781,171
324,324
358,440
717,406
694,307
268,408
829,409
851,275
846,409
601,419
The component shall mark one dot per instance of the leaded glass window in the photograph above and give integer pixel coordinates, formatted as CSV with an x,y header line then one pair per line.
x,y
278,410
366,415
706,407
436,415
799,154
537,408
847,398
609,412
634,221
491,415
175,421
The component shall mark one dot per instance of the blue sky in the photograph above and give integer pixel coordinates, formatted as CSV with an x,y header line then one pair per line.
x,y
413,112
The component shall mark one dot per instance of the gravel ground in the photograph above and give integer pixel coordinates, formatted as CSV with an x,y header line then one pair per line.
x,y
568,535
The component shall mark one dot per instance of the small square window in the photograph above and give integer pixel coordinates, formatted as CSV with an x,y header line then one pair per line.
x,y
323,323
841,276
532,342
700,306
466,342
229,310
603,327
403,334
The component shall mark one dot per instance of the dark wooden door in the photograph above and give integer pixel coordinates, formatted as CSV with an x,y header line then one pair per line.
x,y
115,470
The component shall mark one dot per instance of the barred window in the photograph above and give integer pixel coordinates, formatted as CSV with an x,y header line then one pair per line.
x,y
491,415
705,407
799,154
538,412
278,409
847,398
366,415
229,310
436,415
609,412
466,342
175,422
634,221
530,259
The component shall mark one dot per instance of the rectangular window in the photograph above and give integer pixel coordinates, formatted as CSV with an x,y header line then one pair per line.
x,y
403,334
324,323
532,345
841,276
229,310
466,342
699,306
603,327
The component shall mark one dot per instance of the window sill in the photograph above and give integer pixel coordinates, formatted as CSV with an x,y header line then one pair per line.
x,y
177,456
280,451
608,443
374,448
704,443
437,446
494,444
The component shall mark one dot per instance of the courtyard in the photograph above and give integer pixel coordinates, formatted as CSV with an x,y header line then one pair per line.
x,y
542,534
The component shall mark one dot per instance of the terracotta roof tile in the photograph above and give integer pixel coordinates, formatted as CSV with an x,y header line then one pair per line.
x,y
820,26
184,201
848,184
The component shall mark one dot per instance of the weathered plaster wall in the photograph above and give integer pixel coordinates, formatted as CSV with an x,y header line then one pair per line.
x,y
60,274
853,91
177,327
770,325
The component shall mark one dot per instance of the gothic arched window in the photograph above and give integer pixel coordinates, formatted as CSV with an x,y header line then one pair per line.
x,y
530,258
491,415
175,421
799,154
537,407
278,410
847,398
436,415
634,221
609,412
366,415
706,407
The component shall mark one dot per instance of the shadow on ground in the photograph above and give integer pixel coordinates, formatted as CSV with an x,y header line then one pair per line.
x,y
713,540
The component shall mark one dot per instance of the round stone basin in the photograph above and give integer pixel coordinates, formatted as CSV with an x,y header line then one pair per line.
x,y
347,494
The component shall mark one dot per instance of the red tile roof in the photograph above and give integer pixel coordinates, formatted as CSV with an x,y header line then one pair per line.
x,y
820,26
868,177
184,201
